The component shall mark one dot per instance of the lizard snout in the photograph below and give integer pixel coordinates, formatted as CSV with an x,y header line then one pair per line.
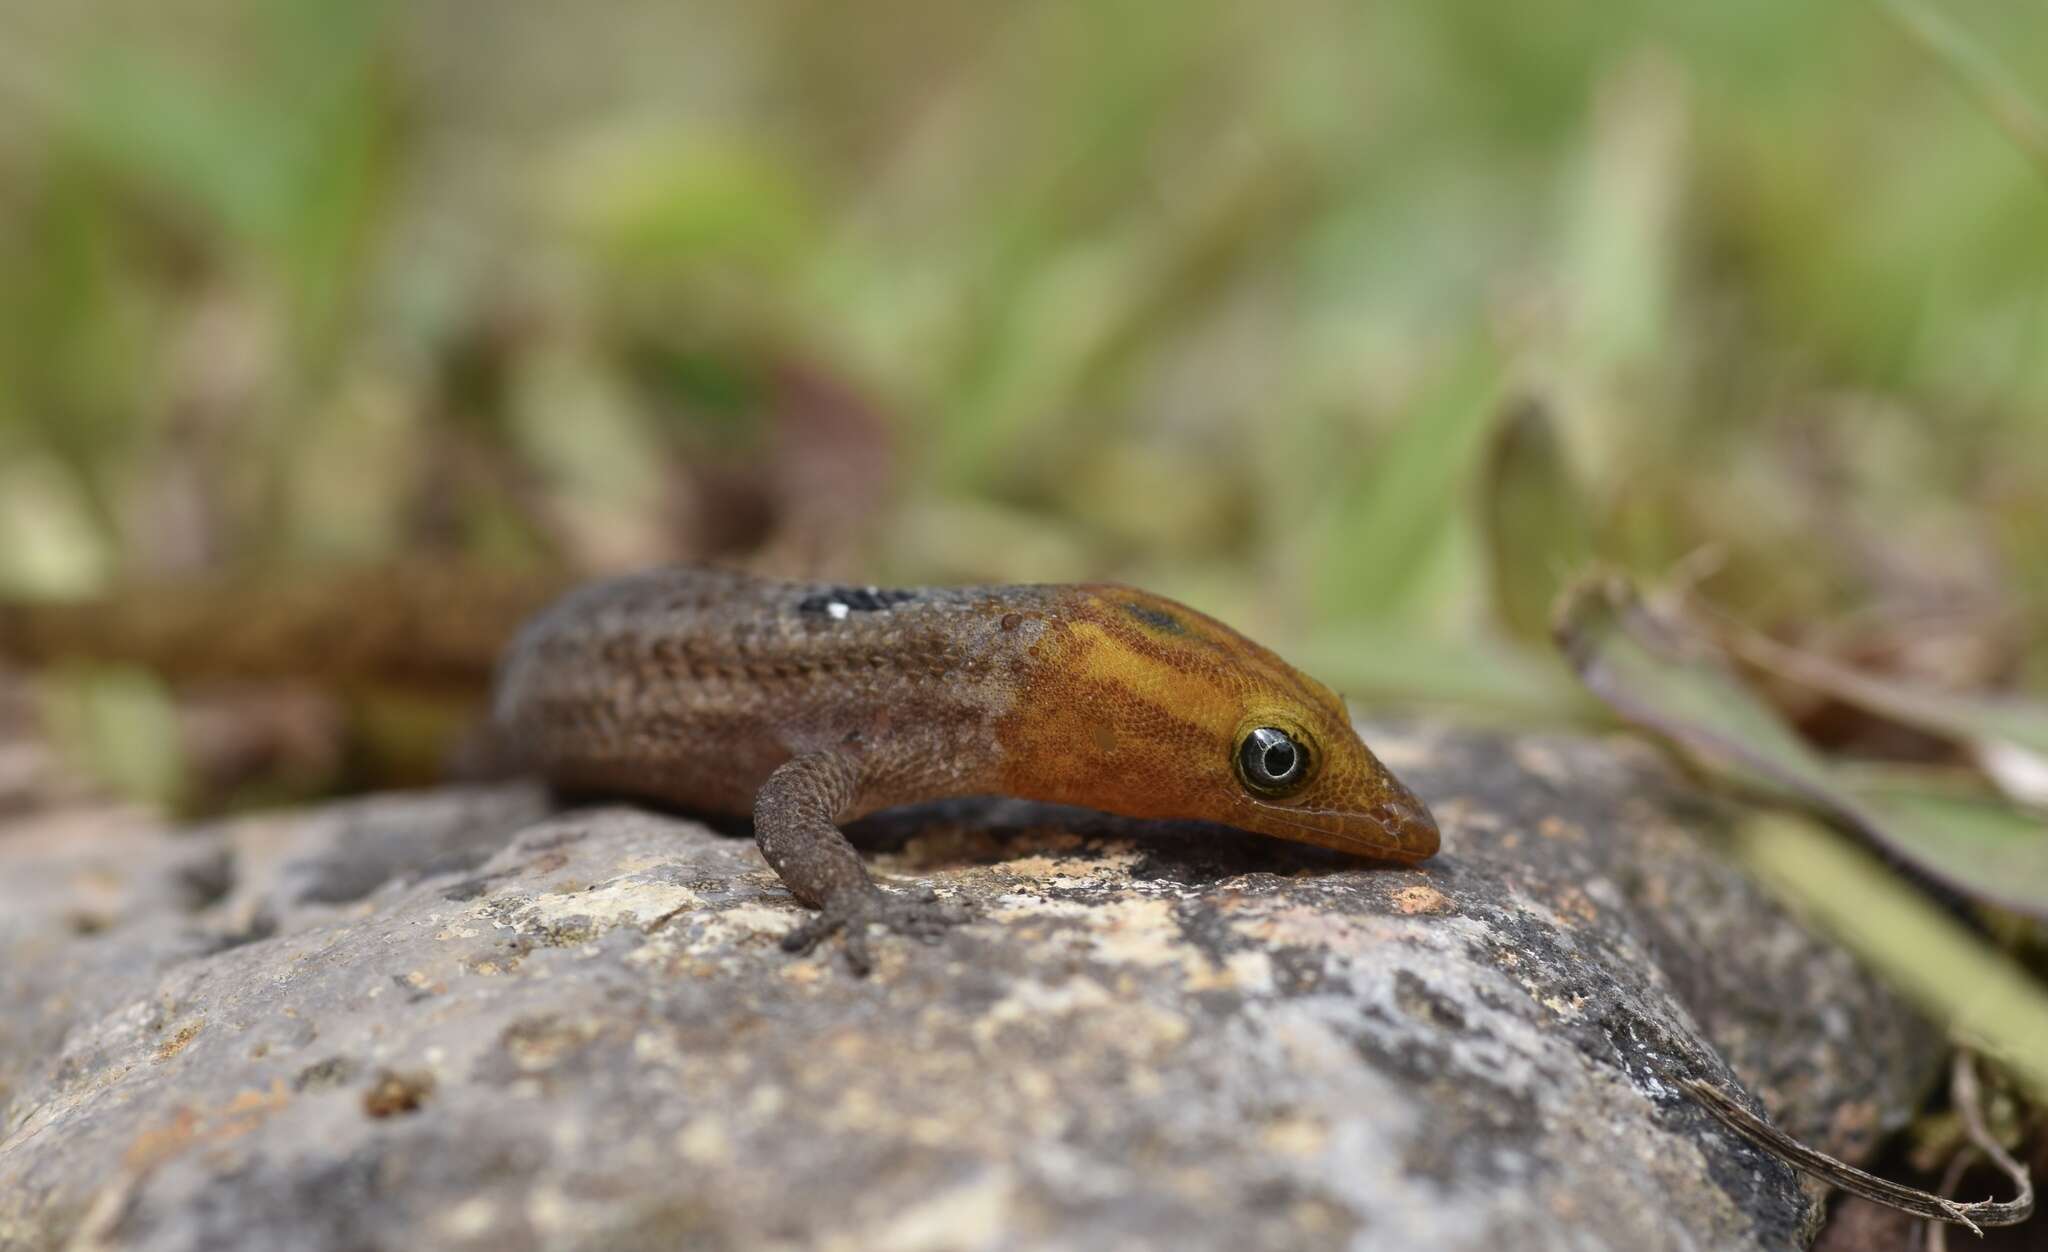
x,y
1410,825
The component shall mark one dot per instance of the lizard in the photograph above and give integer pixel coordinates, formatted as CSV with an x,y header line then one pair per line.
x,y
808,705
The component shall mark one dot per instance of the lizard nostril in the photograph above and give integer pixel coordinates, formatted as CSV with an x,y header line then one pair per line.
x,y
1409,823
1417,829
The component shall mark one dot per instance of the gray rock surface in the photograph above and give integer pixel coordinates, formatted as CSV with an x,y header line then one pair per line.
x,y
453,1020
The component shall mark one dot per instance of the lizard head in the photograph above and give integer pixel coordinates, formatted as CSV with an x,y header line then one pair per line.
x,y
1139,705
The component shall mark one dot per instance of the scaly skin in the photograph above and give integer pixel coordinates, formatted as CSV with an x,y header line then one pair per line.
x,y
809,705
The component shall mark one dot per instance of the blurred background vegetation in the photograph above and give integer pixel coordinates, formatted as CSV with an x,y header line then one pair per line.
x,y
1358,326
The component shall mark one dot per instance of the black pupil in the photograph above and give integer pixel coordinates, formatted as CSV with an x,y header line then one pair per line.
x,y
1279,760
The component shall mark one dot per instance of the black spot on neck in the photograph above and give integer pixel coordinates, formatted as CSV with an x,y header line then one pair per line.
x,y
839,601
1157,619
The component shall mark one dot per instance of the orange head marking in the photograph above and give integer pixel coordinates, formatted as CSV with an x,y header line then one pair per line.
x,y
1142,706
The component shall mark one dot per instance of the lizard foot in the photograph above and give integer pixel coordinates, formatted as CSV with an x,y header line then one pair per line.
x,y
923,916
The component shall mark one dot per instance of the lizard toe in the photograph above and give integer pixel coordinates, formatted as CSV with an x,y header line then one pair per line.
x,y
813,932
923,916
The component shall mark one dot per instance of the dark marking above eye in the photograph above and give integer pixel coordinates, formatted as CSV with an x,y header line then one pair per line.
x,y
837,602
1157,619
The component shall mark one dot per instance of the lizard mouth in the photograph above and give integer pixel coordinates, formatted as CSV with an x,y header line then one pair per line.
x,y
1399,828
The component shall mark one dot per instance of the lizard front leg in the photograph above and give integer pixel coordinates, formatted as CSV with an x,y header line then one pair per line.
x,y
796,817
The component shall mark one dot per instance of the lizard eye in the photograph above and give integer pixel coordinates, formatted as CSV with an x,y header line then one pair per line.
x,y
1270,761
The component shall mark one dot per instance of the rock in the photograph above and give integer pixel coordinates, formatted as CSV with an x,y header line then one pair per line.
x,y
451,1020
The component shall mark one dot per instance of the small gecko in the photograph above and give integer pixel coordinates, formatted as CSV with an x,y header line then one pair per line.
x,y
809,705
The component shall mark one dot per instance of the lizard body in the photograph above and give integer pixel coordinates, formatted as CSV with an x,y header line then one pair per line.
x,y
809,705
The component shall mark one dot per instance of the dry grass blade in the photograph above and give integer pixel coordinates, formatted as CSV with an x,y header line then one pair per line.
x,y
1877,1190
1967,1096
1659,672
2007,735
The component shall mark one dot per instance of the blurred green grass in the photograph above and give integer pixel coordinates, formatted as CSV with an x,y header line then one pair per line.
x,y
1237,302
